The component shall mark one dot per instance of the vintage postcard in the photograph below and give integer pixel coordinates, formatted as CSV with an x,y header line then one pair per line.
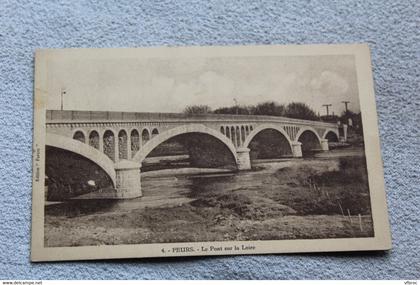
x,y
159,152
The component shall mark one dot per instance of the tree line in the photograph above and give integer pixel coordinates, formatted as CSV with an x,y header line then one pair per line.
x,y
295,110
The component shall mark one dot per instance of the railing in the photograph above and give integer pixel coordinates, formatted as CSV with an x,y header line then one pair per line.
x,y
58,116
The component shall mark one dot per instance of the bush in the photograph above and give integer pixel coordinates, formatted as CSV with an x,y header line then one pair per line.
x,y
197,109
269,108
300,111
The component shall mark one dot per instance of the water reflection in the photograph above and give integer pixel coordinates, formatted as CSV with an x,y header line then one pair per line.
x,y
167,191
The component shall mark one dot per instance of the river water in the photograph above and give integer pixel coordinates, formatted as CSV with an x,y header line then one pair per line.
x,y
174,187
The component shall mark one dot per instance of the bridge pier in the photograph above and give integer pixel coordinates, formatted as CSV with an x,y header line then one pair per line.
x,y
324,145
345,132
297,149
244,161
128,180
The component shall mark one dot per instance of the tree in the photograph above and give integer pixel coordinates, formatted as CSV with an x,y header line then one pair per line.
x,y
356,121
300,111
269,109
197,109
330,118
240,110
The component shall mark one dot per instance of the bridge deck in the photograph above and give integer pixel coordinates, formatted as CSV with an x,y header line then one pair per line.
x,y
58,116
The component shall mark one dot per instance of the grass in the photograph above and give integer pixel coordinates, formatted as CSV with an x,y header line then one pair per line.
x,y
341,191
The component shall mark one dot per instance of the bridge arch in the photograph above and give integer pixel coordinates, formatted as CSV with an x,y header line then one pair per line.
x,y
80,135
134,141
227,132
133,129
145,135
122,144
310,139
233,134
155,132
84,150
238,136
94,139
331,135
109,142
193,128
263,127
310,129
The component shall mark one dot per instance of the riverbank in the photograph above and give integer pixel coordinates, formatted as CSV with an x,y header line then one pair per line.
x,y
108,229
287,199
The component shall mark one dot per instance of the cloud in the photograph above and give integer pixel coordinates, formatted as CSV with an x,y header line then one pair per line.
x,y
163,85
209,88
330,83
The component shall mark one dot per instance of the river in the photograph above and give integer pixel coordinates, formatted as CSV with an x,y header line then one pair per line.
x,y
270,191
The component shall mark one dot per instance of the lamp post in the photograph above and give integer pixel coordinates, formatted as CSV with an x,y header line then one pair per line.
x,y
63,92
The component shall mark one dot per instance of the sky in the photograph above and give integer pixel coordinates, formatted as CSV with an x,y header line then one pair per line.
x,y
169,85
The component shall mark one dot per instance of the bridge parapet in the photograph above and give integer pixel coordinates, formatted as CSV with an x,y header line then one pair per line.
x,y
62,117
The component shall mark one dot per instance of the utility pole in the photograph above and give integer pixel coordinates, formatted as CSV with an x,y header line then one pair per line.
x,y
328,110
63,92
345,104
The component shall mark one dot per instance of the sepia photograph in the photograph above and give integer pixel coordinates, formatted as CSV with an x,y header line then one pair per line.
x,y
206,150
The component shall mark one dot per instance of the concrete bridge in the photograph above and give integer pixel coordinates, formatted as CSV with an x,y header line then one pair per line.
x,y
118,142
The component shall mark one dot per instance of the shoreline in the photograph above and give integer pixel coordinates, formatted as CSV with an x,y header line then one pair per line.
x,y
185,171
